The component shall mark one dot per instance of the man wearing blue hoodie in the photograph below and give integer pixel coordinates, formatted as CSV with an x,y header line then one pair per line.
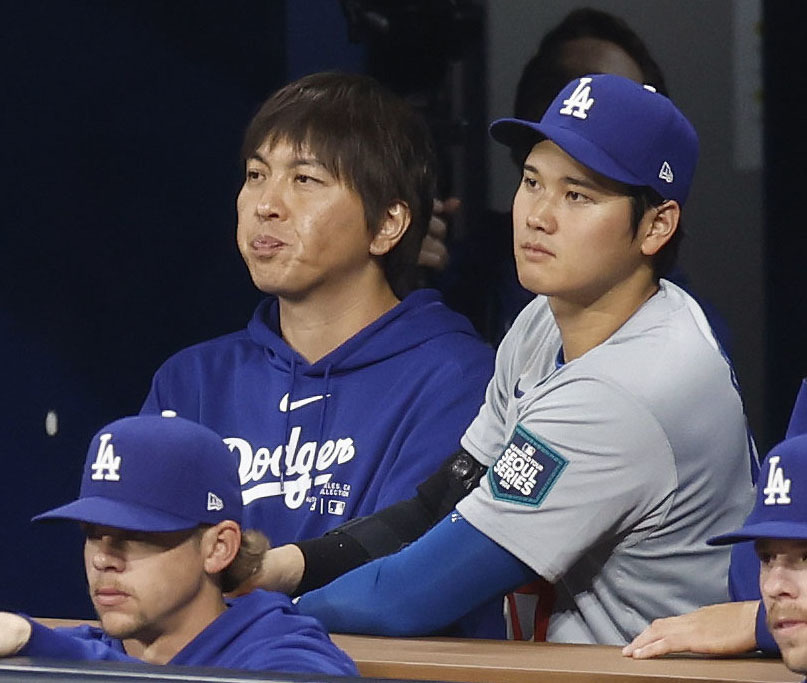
x,y
346,389
160,505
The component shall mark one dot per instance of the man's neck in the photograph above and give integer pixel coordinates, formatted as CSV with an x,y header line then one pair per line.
x,y
584,325
319,324
162,646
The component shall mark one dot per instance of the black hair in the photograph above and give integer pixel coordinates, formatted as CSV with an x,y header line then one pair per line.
x,y
368,138
547,72
643,198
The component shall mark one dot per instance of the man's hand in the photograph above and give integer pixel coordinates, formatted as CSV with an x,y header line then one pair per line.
x,y
281,570
15,632
724,629
433,250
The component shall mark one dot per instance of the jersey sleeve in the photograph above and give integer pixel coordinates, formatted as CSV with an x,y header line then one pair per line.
x,y
587,466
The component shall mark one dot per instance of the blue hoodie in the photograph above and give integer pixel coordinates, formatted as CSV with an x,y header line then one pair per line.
x,y
261,631
320,443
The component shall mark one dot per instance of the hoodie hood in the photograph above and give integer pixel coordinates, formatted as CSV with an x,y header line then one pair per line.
x,y
419,318
318,444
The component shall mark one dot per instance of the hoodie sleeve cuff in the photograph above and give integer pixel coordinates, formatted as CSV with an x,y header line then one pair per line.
x,y
82,643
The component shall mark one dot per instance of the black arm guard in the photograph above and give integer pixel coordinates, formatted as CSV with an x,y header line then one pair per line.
x,y
387,531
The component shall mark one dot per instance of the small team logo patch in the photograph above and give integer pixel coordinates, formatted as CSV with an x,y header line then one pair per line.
x,y
777,491
214,502
580,101
526,471
107,465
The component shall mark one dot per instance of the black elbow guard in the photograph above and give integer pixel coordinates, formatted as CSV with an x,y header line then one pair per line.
x,y
455,479
366,538
390,529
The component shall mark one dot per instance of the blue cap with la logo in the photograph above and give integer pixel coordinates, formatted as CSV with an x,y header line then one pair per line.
x,y
619,128
155,473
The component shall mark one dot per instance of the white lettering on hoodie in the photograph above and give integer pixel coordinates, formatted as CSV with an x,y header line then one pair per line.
x,y
300,460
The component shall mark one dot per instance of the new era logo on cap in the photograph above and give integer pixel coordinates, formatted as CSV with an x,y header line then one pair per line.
x,y
666,173
214,502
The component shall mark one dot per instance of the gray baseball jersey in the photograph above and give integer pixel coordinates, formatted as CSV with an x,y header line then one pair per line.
x,y
608,473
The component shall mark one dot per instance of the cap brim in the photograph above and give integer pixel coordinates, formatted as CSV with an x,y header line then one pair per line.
x,y
751,532
524,134
119,514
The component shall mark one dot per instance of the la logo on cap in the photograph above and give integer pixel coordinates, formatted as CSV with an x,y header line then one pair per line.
x,y
777,491
107,464
580,101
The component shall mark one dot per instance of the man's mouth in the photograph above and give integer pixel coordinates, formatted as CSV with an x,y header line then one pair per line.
x,y
266,244
109,597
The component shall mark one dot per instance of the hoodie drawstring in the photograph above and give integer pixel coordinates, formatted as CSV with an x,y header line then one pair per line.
x,y
286,431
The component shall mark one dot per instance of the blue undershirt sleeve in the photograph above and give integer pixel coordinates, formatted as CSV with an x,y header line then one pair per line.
x,y
765,641
426,586
744,572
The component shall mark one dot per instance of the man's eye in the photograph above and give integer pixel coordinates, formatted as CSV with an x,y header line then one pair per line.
x,y
304,179
252,174
529,182
577,196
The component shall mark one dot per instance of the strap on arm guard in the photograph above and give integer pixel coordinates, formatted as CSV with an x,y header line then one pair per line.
x,y
366,538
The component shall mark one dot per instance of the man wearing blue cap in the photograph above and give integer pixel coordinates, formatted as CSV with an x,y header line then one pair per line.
x,y
778,527
160,504
612,430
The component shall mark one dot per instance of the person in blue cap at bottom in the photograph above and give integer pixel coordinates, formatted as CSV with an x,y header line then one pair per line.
x,y
160,504
778,527
612,431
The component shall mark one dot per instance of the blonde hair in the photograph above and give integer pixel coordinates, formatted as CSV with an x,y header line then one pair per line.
x,y
248,560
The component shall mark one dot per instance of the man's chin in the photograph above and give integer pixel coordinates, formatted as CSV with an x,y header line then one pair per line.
x,y
794,657
120,626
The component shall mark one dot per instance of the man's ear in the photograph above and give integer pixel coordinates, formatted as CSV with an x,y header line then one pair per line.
x,y
220,544
394,224
659,225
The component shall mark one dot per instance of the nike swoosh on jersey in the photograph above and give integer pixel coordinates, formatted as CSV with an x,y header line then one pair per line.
x,y
516,391
286,407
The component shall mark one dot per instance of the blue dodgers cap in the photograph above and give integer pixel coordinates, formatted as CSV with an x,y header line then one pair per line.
x,y
623,130
780,510
152,473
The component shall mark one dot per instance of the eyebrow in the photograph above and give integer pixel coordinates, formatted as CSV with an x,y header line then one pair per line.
x,y
573,180
297,161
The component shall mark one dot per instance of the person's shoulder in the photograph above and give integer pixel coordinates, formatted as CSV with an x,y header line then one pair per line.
x,y
441,335
261,600
668,335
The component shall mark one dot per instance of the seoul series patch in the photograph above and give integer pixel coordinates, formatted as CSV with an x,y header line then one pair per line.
x,y
526,471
